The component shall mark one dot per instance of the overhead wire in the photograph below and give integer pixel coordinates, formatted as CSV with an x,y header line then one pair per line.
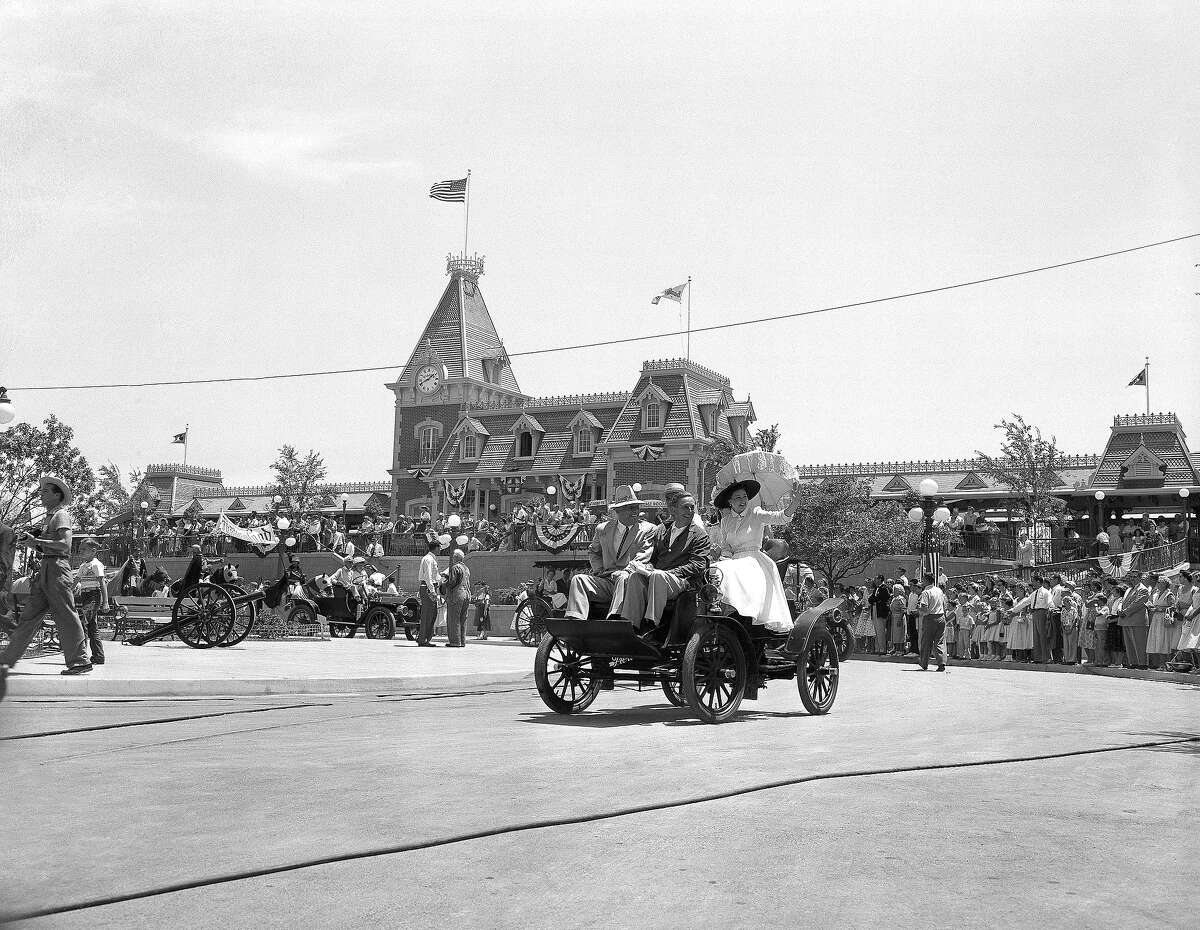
x,y
630,339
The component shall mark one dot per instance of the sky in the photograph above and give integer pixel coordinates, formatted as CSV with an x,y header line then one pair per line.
x,y
198,189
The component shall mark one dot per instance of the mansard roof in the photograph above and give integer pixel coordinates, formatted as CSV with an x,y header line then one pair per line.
x,y
460,333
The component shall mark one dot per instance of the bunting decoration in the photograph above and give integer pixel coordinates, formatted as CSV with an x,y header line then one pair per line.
x,y
648,452
556,538
456,493
1116,567
572,490
419,472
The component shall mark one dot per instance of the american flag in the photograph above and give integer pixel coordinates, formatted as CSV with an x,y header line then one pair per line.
x,y
454,191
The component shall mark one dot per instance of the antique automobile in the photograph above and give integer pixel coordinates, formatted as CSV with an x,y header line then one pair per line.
x,y
702,656
380,615
548,595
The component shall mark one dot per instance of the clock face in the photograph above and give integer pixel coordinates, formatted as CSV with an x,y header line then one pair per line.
x,y
429,379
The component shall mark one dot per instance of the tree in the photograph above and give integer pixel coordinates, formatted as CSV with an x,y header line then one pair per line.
x,y
716,455
111,495
837,528
299,480
26,453
1028,465
766,439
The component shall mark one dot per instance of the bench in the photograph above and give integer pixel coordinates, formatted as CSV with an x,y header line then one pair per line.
x,y
140,613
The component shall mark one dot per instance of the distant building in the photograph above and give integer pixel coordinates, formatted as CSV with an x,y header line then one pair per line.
x,y
466,433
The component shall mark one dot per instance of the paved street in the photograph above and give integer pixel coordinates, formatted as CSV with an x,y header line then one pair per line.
x,y
908,805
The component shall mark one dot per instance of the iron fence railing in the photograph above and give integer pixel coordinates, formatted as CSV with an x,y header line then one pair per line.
x,y
1131,564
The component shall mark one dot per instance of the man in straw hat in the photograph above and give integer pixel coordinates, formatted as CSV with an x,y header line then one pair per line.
x,y
51,590
625,537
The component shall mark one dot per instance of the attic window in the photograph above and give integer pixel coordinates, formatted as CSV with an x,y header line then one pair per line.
x,y
525,445
652,415
469,447
585,440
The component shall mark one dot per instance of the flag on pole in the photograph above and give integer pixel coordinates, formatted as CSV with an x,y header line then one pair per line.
x,y
453,191
180,437
671,293
1142,378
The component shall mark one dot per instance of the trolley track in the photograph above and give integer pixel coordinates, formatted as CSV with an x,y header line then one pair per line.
x,y
585,818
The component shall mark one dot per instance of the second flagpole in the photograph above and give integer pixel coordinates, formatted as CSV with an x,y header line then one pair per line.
x,y
467,223
689,319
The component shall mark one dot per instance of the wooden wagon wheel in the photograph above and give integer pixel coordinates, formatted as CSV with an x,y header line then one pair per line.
x,y
243,622
203,615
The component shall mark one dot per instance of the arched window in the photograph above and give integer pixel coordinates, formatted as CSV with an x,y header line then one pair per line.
x,y
585,440
652,418
525,445
470,446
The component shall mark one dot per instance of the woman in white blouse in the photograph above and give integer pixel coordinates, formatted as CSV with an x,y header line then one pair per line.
x,y
749,579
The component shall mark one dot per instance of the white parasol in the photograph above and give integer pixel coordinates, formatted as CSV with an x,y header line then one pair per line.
x,y
770,469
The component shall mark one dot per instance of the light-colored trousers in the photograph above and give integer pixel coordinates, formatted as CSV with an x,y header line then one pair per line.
x,y
51,592
647,595
589,589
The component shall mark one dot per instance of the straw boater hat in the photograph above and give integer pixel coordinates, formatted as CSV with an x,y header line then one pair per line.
x,y
625,496
749,485
67,492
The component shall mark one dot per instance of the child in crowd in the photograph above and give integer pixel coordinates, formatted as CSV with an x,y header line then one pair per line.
x,y
897,606
1070,619
979,620
965,624
1020,624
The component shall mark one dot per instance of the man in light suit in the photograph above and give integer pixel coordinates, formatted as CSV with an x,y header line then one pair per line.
x,y
624,538
1135,622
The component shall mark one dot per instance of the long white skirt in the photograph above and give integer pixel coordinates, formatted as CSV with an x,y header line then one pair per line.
x,y
750,583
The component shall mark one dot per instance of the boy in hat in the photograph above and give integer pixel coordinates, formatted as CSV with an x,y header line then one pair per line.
x,y
51,591
93,595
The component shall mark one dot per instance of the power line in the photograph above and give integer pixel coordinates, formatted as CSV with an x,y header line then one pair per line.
x,y
629,339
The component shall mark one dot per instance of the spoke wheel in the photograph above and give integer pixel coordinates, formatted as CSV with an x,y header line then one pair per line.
x,y
674,692
379,623
817,672
243,620
714,673
565,678
304,614
840,633
525,625
341,630
204,615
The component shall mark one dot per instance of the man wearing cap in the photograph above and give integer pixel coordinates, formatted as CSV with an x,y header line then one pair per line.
x,y
93,595
625,537
1135,621
51,590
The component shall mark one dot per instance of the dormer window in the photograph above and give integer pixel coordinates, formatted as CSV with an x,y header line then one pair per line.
x,y
585,440
469,448
654,402
585,430
652,415
737,429
529,433
525,445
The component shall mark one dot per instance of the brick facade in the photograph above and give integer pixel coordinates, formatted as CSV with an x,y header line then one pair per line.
x,y
663,471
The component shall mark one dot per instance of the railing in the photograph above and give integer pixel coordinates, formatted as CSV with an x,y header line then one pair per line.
x,y
1126,564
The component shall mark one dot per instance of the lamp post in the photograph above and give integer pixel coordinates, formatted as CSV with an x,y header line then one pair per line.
x,y
345,526
930,558
7,413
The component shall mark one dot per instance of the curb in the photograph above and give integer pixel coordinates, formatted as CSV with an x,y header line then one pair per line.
x,y
1185,678
44,686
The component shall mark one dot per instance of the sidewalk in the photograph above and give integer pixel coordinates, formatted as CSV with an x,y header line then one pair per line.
x,y
340,666
1186,678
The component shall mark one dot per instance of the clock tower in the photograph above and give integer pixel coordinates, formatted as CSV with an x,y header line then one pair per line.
x,y
458,363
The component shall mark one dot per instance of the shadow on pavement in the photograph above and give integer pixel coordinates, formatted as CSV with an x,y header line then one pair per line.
x,y
648,715
1190,749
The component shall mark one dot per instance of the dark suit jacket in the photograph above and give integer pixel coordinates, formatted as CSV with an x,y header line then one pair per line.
x,y
687,558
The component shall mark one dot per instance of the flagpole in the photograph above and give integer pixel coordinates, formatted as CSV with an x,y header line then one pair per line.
x,y
186,427
1147,381
467,224
689,319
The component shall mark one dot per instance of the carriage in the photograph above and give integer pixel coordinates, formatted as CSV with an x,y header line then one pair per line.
x,y
701,656
380,616
529,619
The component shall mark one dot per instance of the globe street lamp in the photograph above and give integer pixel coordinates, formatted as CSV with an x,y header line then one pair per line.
x,y
345,527
7,413
930,558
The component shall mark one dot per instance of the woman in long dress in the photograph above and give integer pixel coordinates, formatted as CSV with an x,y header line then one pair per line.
x,y
749,579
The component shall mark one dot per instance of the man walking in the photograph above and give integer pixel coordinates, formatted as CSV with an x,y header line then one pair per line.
x,y
932,609
51,591
430,581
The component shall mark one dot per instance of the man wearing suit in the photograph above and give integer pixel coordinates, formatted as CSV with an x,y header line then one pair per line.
x,y
1135,622
679,552
623,538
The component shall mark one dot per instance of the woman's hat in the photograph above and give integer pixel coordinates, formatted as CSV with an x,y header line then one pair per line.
x,y
67,492
749,485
